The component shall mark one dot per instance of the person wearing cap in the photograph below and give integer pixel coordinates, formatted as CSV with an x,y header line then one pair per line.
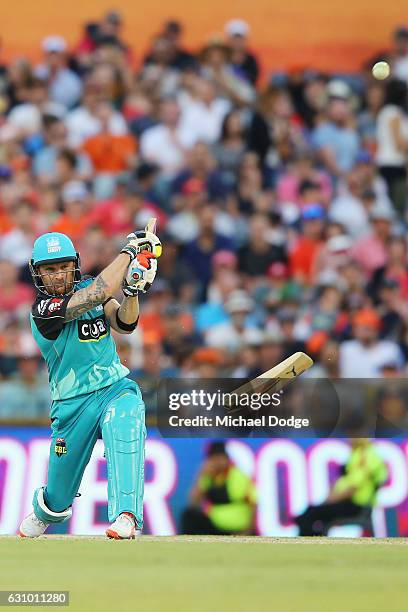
x,y
64,86
223,498
303,255
335,140
352,494
245,62
239,329
71,321
364,355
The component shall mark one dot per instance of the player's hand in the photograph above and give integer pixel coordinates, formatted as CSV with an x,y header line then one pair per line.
x,y
143,240
140,274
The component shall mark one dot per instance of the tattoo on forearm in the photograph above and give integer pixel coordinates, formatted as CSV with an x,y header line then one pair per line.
x,y
87,298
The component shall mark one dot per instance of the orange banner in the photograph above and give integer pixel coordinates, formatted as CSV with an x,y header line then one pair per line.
x,y
326,35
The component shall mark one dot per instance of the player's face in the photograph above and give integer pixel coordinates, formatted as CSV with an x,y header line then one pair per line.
x,y
58,278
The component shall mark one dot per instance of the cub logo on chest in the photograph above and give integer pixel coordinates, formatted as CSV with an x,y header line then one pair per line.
x,y
92,330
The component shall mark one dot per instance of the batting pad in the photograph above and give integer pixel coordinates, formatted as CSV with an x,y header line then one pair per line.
x,y
124,434
46,515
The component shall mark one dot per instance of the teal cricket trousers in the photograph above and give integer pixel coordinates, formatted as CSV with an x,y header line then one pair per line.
x,y
118,413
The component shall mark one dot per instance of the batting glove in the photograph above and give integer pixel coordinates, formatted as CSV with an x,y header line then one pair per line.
x,y
140,274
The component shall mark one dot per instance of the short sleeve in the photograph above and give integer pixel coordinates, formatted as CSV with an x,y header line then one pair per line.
x,y
49,315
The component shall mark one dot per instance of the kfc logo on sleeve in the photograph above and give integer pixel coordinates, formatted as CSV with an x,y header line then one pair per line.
x,y
50,306
55,304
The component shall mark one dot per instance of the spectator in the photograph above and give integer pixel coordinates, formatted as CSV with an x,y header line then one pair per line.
x,y
215,66
230,497
392,142
166,144
229,149
364,355
202,115
76,218
400,61
83,123
335,139
370,250
14,295
351,494
302,256
241,59
26,395
64,85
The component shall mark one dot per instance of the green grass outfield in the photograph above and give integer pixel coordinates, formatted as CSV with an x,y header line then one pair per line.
x,y
206,574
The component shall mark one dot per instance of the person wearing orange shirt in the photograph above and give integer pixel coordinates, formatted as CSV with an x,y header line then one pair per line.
x,y
302,256
108,152
76,218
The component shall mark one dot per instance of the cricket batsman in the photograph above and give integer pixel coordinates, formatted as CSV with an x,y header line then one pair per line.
x,y
71,321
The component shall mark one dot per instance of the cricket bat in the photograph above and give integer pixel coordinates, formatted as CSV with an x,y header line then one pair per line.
x,y
274,379
151,225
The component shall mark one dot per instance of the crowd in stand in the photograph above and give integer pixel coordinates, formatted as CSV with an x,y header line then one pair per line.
x,y
281,202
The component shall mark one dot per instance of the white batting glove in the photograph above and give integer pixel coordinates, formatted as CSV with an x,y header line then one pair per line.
x,y
140,274
142,240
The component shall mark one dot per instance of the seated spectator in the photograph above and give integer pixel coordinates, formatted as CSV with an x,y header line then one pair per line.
x,y
198,253
214,61
223,498
202,113
367,118
274,132
26,394
83,123
304,252
239,330
16,245
165,144
76,218
300,176
46,159
260,252
251,195
354,491
14,295
365,354
110,154
370,250
395,269
200,165
64,85
335,139
229,149
241,59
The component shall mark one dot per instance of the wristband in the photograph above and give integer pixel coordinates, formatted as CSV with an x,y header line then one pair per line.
x,y
129,327
130,250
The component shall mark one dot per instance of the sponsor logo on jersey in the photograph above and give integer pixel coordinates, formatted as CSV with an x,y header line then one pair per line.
x,y
55,304
42,306
92,330
60,447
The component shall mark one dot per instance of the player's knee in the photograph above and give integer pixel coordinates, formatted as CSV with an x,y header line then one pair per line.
x,y
125,425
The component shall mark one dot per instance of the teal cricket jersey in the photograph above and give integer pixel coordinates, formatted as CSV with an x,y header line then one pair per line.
x,y
81,354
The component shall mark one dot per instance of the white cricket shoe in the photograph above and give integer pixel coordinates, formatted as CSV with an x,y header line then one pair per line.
x,y
32,527
124,528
